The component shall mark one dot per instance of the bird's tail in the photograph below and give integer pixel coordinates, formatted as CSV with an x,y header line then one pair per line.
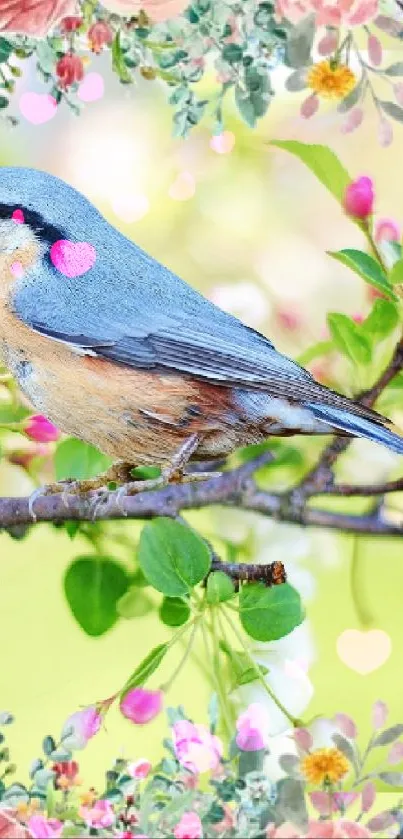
x,y
359,421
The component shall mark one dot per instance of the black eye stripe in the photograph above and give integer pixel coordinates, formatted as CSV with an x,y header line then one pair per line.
x,y
47,233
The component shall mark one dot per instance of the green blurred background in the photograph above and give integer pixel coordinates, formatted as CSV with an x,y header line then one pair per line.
x,y
249,227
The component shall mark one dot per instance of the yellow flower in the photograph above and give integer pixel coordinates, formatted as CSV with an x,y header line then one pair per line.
x,y
334,81
325,765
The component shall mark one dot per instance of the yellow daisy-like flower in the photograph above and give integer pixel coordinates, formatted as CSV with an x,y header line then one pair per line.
x,y
325,766
334,81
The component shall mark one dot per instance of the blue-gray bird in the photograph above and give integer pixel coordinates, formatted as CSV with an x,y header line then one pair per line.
x,y
118,351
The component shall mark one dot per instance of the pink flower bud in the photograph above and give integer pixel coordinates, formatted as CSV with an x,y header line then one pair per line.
x,y
310,106
353,120
43,828
328,43
141,706
80,727
139,770
379,714
69,70
41,430
70,24
385,133
195,747
374,50
100,816
359,198
368,796
189,827
344,723
253,728
396,753
303,738
99,34
387,230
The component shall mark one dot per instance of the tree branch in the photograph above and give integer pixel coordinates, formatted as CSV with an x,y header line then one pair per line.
x,y
235,488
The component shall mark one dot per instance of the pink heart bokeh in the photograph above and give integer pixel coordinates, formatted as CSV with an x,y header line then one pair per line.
x,y
37,108
72,258
92,88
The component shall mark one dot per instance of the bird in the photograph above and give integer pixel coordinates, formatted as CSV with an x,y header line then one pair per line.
x,y
118,351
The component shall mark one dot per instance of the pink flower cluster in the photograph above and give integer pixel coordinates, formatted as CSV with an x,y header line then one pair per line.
x,y
195,747
328,12
253,728
338,829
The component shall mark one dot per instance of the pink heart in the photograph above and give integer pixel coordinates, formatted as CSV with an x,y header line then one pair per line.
x,y
18,217
37,107
72,258
92,88
364,651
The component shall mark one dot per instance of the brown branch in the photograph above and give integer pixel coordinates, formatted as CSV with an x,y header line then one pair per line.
x,y
235,488
348,490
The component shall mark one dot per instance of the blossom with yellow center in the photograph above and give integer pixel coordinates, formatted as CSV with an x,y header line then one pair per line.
x,y
334,81
325,766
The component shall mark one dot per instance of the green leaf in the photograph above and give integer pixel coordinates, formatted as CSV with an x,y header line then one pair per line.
x,y
253,102
48,745
3,102
135,603
388,736
219,587
299,42
322,162
232,53
318,350
394,69
349,101
6,48
297,80
349,339
290,803
251,762
392,110
147,667
396,273
118,62
174,611
172,556
382,320
395,779
93,585
268,614
366,267
78,460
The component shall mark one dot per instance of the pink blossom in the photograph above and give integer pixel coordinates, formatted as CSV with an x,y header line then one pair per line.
x,y
43,828
368,796
309,106
344,723
387,230
289,320
359,198
374,50
195,747
284,831
328,43
303,738
253,728
141,706
352,121
140,769
340,829
100,815
379,714
396,753
189,827
35,18
80,727
40,429
335,13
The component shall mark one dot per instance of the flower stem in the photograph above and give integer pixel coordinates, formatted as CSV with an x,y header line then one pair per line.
x,y
219,686
293,720
184,658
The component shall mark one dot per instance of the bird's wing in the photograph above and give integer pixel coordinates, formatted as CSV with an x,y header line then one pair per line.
x,y
191,347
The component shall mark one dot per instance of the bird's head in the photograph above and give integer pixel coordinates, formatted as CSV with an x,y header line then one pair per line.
x,y
36,210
